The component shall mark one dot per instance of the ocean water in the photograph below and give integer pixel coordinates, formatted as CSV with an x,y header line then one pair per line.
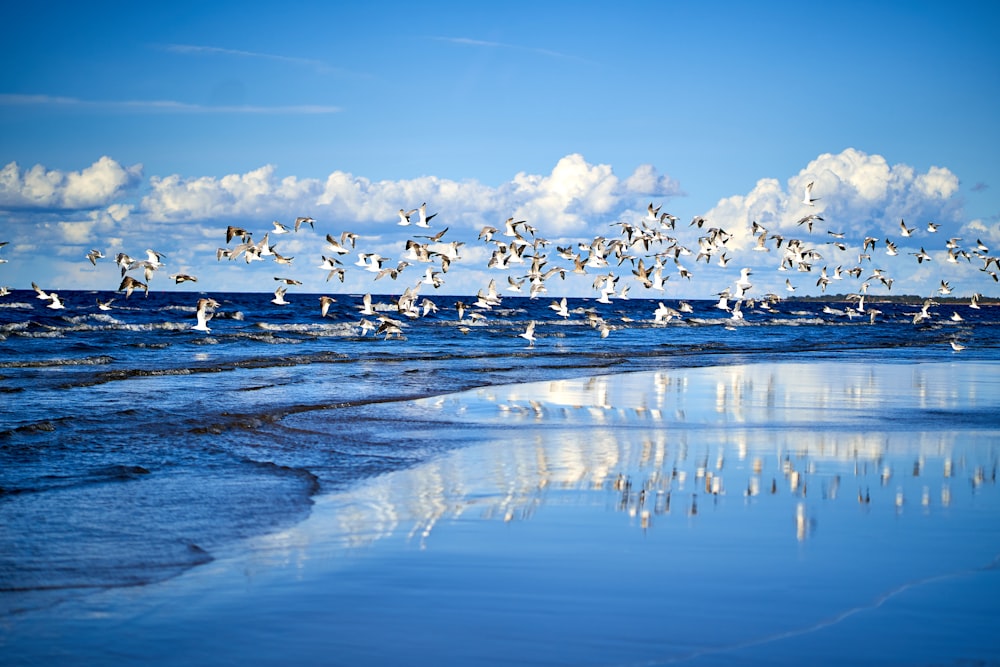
x,y
134,449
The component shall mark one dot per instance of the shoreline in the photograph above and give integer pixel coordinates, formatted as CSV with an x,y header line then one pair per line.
x,y
588,508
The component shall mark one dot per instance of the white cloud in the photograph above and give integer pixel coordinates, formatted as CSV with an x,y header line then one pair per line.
x,y
76,232
95,186
646,181
160,106
257,193
565,201
858,195
186,216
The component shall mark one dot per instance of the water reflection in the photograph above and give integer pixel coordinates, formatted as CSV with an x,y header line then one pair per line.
x,y
675,448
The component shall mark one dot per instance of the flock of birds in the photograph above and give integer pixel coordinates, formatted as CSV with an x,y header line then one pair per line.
x,y
648,247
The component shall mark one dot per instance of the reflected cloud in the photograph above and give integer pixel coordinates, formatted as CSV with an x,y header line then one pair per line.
x,y
777,440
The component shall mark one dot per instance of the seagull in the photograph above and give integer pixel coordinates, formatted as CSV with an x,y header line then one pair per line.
x,y
664,313
424,218
404,216
95,255
366,308
956,346
279,296
324,305
808,220
280,228
232,231
304,220
129,284
560,307
178,278
807,197
55,302
204,314
331,266
743,283
104,305
42,294
529,334
904,230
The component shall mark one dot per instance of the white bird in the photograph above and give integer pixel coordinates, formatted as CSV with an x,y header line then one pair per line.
x,y
904,230
204,314
42,294
560,307
956,346
104,305
279,296
404,216
55,302
366,308
424,218
737,312
807,197
664,313
743,283
324,305
304,219
529,334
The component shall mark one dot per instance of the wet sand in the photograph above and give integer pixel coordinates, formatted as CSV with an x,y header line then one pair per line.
x,y
798,513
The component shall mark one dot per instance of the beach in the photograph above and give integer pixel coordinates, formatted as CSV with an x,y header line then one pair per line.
x,y
809,511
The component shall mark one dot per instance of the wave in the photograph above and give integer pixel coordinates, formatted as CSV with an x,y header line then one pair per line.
x,y
46,363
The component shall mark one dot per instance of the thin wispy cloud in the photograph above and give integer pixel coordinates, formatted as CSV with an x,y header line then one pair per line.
x,y
200,49
194,49
467,41
159,106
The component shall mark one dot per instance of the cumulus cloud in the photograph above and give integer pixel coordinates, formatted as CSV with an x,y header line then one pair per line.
x,y
566,200
255,193
647,181
563,200
95,186
856,194
185,216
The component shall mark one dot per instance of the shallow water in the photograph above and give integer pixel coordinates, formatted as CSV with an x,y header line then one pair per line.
x,y
775,513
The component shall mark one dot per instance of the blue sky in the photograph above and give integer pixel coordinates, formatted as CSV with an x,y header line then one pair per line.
x,y
128,127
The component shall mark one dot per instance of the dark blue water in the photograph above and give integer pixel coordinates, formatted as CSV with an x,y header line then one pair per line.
x,y
132,447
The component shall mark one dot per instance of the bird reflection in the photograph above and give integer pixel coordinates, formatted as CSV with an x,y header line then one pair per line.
x,y
567,439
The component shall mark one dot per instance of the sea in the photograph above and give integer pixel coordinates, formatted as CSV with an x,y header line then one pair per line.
x,y
134,448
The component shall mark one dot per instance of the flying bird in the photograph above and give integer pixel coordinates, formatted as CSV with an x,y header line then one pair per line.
x,y
204,313
424,218
304,220
179,278
129,284
529,334
807,197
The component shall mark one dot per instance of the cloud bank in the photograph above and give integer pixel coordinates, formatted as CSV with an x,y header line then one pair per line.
x,y
856,195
